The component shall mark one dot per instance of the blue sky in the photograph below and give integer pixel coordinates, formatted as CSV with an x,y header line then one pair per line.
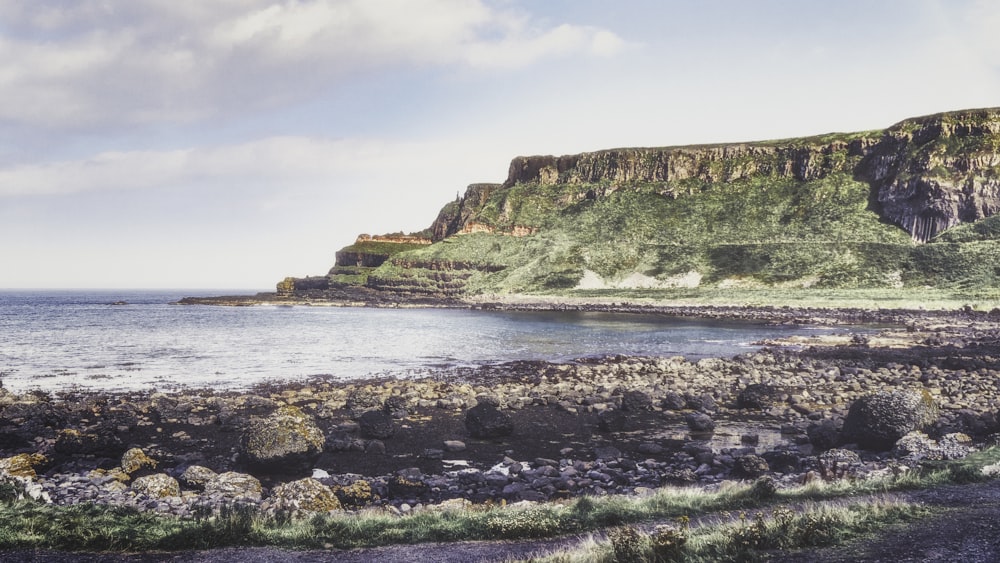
x,y
229,143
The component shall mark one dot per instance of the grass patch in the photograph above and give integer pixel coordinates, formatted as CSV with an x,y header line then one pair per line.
x,y
26,525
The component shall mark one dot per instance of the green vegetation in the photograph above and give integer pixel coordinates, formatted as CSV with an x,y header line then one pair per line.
x,y
29,525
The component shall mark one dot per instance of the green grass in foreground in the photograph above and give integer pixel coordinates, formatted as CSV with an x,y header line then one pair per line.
x,y
25,525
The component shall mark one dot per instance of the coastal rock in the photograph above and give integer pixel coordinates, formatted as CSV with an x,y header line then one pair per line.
x,y
197,476
635,401
102,443
917,446
878,420
699,422
486,421
377,425
158,485
304,495
838,463
361,401
286,442
823,435
135,459
758,396
235,486
750,466
22,465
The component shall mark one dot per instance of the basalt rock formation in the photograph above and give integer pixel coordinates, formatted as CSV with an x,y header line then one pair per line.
x,y
868,209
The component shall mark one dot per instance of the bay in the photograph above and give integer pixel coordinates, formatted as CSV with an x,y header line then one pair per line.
x,y
54,340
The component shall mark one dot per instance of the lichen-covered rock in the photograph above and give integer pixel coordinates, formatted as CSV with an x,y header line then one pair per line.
x,y
234,486
22,465
135,459
361,401
917,446
838,463
750,466
304,495
197,476
158,485
355,495
878,420
486,421
288,441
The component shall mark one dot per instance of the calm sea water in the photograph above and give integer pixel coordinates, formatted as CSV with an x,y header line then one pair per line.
x,y
61,339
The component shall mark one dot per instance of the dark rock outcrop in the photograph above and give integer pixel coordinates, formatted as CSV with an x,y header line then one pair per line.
x,y
486,421
878,420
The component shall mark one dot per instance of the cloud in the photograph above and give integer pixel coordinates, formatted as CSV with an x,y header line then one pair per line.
x,y
80,64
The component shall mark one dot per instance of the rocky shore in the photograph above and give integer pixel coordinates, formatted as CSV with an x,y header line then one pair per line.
x,y
524,431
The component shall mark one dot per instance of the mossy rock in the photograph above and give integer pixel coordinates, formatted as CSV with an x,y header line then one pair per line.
x,y
288,441
303,495
878,420
135,460
22,465
158,485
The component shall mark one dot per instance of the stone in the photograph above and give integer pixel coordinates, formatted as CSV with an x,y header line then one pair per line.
x,y
100,443
377,424
611,421
288,441
232,485
22,465
758,396
699,422
197,476
823,435
878,420
486,421
395,407
454,446
135,459
838,463
304,495
750,466
361,401
673,401
917,446
157,485
635,401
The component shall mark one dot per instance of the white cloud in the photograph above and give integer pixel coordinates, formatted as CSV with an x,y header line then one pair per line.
x,y
92,62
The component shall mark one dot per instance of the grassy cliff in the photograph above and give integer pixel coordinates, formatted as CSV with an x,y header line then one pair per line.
x,y
907,207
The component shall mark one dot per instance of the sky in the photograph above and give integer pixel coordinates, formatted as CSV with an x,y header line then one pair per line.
x,y
231,143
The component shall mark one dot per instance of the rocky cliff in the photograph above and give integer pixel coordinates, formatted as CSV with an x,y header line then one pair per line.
x,y
838,210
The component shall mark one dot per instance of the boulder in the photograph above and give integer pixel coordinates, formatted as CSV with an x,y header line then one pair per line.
x,y
699,422
486,421
197,476
673,401
878,420
100,443
361,401
288,441
611,420
837,463
377,424
303,495
135,459
158,485
22,465
635,400
759,396
823,435
750,466
917,446
234,486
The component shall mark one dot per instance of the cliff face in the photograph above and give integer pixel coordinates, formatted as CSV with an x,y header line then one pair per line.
x,y
836,210
932,173
927,174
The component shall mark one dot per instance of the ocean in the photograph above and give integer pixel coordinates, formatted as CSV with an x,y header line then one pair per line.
x,y
60,340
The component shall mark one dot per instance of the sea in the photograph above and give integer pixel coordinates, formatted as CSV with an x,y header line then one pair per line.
x,y
142,340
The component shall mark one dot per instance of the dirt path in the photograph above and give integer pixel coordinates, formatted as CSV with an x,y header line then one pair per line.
x,y
968,531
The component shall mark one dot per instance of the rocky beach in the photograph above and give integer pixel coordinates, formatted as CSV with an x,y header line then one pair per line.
x,y
922,388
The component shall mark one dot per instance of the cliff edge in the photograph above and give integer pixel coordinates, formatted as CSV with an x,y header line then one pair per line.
x,y
905,206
